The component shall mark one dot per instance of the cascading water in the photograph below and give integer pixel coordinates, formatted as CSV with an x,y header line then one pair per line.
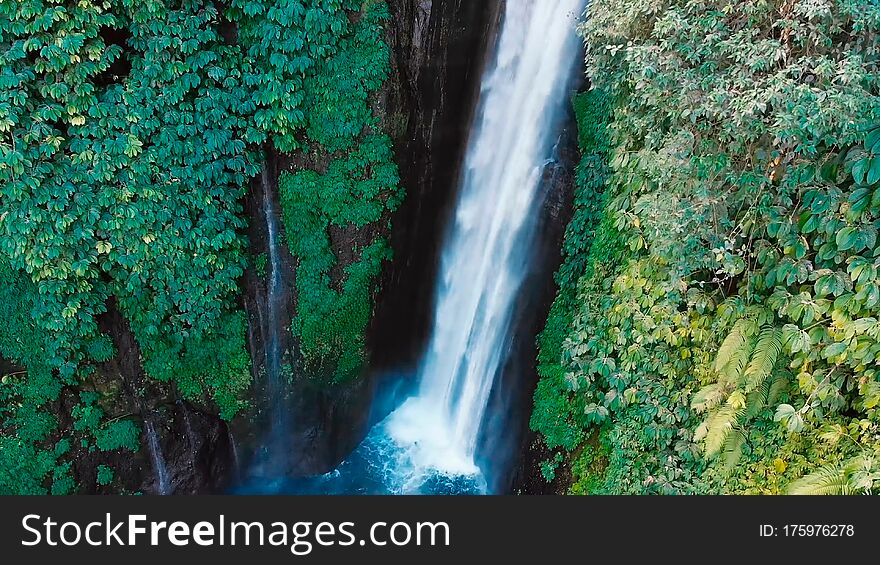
x,y
163,481
487,253
429,444
271,462
273,284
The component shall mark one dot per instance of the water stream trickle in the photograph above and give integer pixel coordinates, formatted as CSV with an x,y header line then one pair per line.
x,y
233,447
160,469
276,447
191,437
273,283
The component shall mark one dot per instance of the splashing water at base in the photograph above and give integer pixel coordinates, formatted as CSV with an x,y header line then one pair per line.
x,y
378,466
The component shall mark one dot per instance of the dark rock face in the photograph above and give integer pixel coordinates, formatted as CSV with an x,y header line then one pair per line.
x,y
196,449
440,49
528,451
194,443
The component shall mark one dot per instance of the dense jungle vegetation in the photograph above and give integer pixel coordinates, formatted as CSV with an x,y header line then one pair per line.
x,y
717,323
130,131
717,328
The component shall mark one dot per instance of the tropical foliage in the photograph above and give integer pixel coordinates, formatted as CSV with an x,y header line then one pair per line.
x,y
354,193
724,335
130,132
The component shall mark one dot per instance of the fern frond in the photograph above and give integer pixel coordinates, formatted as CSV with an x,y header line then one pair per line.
x,y
766,395
764,357
755,402
732,451
737,401
708,397
759,398
701,431
734,341
733,373
735,351
718,427
828,480
775,386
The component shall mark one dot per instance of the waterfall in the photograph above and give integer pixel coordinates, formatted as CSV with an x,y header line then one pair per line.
x,y
487,249
276,387
429,444
163,481
273,285
233,447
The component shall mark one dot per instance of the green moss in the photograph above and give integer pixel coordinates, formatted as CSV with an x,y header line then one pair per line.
x,y
589,463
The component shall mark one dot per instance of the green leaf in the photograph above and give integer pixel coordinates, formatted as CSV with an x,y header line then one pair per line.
x,y
735,350
828,480
708,398
766,352
789,417
860,170
105,475
719,427
872,141
795,338
834,350
846,238
873,171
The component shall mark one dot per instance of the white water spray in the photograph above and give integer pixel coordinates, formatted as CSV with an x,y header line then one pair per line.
x,y
487,251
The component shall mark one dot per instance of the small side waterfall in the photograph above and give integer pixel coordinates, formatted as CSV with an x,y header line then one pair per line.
x,y
163,480
276,386
273,284
233,447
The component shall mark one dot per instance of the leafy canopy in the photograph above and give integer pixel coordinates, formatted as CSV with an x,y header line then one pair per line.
x,y
727,341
